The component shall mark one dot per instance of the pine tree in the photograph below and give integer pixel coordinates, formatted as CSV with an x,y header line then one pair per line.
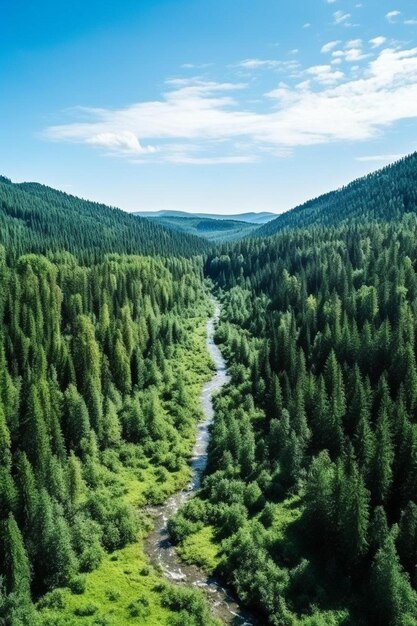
x,y
291,461
17,568
383,458
8,493
36,434
391,598
121,364
77,418
76,484
407,539
410,381
319,497
378,530
353,512
274,404
364,444
111,426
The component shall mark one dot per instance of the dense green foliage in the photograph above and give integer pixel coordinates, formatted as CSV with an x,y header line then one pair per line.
x,y
91,388
384,195
35,218
214,230
312,482
309,505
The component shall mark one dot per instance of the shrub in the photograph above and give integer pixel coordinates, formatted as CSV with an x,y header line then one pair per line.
x,y
53,600
91,558
112,595
179,528
189,603
267,515
233,518
77,585
85,611
254,500
139,608
101,620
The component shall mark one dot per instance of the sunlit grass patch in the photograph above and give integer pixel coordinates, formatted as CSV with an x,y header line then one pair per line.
x,y
119,592
285,513
201,549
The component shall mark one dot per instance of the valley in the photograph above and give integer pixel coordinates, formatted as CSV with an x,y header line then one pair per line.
x,y
167,458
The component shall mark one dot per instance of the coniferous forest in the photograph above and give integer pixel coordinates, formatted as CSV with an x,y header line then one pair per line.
x,y
308,506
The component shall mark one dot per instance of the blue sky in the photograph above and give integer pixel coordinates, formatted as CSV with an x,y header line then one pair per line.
x,y
215,105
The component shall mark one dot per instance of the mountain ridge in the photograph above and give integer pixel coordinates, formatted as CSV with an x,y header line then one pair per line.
x,y
38,218
252,217
384,194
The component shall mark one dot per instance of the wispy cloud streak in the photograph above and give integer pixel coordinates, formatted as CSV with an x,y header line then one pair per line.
x,y
212,122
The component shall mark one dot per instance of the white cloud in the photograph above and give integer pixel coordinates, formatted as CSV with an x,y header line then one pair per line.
x,y
325,74
330,1
229,160
354,43
392,16
253,64
378,158
209,120
306,25
351,54
354,54
193,66
377,42
123,141
328,47
341,18
411,22
269,64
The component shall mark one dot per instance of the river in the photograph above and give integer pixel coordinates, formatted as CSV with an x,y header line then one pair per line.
x,y
158,545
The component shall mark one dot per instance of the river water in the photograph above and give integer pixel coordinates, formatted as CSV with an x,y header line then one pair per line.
x,y
158,545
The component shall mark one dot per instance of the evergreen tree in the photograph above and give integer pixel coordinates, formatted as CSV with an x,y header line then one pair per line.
x,y
391,596
17,568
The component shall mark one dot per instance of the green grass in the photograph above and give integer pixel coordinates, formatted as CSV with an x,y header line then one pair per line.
x,y
123,579
201,549
285,514
125,589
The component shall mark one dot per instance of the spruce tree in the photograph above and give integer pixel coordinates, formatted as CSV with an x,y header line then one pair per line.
x,y
17,568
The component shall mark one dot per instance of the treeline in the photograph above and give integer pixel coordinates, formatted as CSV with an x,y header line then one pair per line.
x,y
89,382
384,195
312,477
35,218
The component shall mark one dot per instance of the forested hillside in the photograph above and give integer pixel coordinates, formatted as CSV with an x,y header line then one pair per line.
x,y
35,218
311,492
215,230
383,195
99,392
261,217
308,508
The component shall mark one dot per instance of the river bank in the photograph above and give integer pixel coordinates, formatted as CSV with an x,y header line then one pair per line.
x,y
158,546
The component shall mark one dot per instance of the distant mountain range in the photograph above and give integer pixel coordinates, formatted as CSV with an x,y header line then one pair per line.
x,y
215,230
212,226
253,218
